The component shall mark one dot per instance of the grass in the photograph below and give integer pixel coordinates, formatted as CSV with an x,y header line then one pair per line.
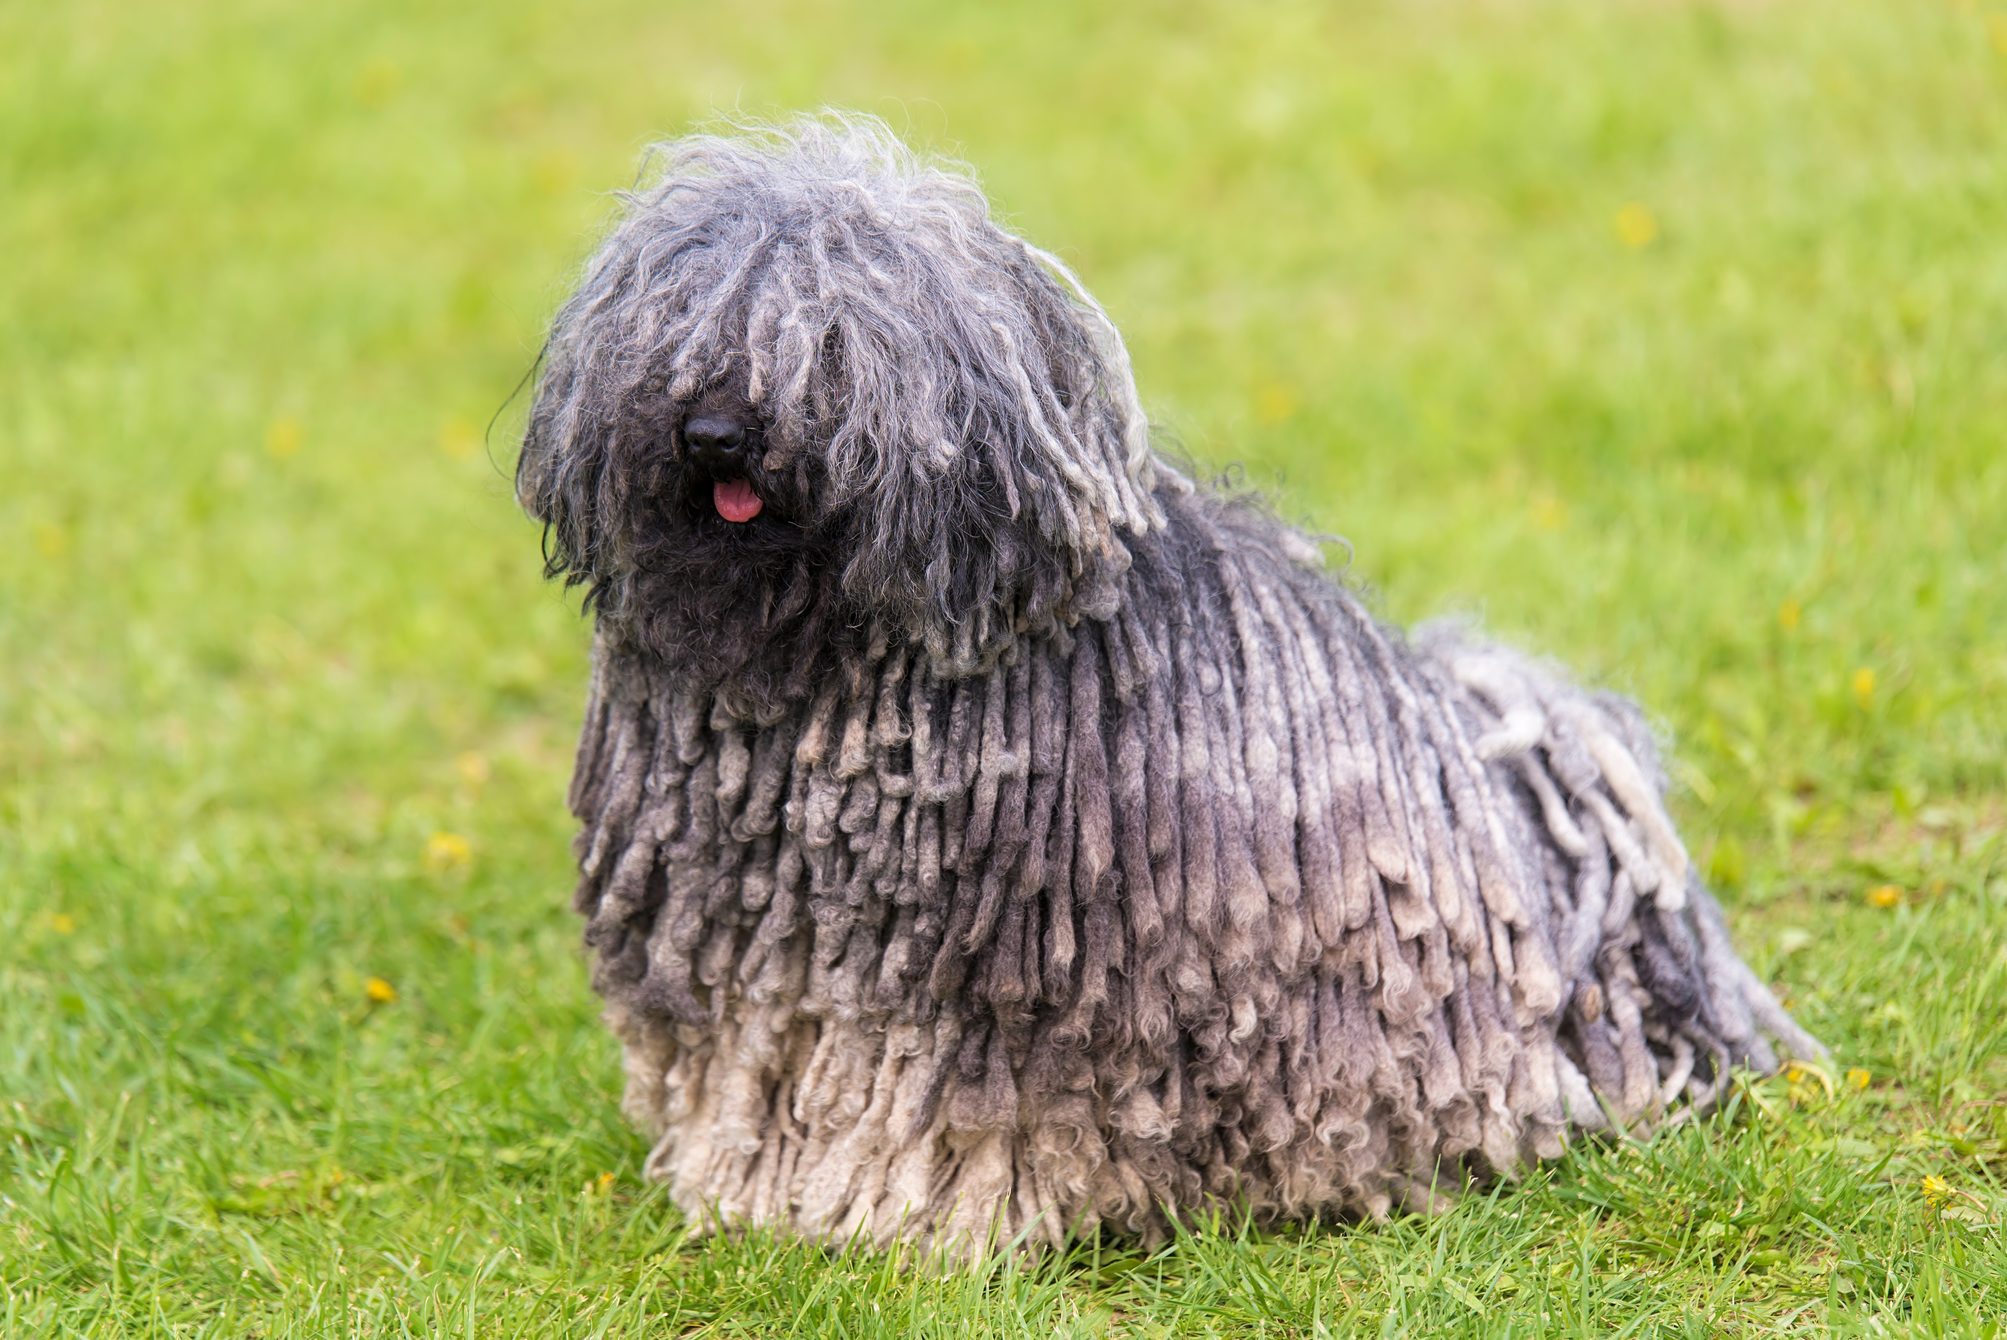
x,y
1666,336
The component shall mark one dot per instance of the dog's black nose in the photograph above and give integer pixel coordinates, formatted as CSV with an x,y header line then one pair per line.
x,y
714,435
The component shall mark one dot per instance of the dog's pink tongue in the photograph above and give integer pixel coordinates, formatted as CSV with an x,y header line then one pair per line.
x,y
735,500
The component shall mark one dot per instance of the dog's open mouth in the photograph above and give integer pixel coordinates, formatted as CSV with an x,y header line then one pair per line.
x,y
736,500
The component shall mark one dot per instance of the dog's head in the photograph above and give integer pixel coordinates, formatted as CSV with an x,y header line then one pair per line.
x,y
808,396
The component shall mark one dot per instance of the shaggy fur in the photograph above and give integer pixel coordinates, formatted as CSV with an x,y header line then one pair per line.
x,y
1001,836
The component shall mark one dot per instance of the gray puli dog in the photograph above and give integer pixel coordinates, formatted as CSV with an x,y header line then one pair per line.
x,y
989,834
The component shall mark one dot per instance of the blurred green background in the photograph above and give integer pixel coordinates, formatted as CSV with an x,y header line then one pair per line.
x,y
1668,337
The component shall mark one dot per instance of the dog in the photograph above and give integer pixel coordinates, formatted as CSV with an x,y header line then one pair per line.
x,y
991,835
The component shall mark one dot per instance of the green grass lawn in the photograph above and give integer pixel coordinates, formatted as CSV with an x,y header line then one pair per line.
x,y
1668,337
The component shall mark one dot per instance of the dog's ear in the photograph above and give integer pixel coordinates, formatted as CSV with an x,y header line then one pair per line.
x,y
996,459
561,470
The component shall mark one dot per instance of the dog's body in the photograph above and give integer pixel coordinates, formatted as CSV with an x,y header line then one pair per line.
x,y
990,834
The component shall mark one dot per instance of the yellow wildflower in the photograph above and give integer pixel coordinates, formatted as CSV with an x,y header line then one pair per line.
x,y
447,851
1858,1078
1884,896
379,991
1864,685
1273,403
1788,615
1636,227
1937,1191
553,173
458,439
51,540
283,438
62,923
377,81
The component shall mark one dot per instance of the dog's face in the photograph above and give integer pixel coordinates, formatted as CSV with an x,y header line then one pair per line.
x,y
810,396
709,549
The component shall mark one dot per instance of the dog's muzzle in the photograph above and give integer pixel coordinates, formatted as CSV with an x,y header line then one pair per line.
x,y
719,445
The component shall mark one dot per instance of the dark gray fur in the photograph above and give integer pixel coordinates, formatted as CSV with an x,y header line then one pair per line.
x,y
1005,836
